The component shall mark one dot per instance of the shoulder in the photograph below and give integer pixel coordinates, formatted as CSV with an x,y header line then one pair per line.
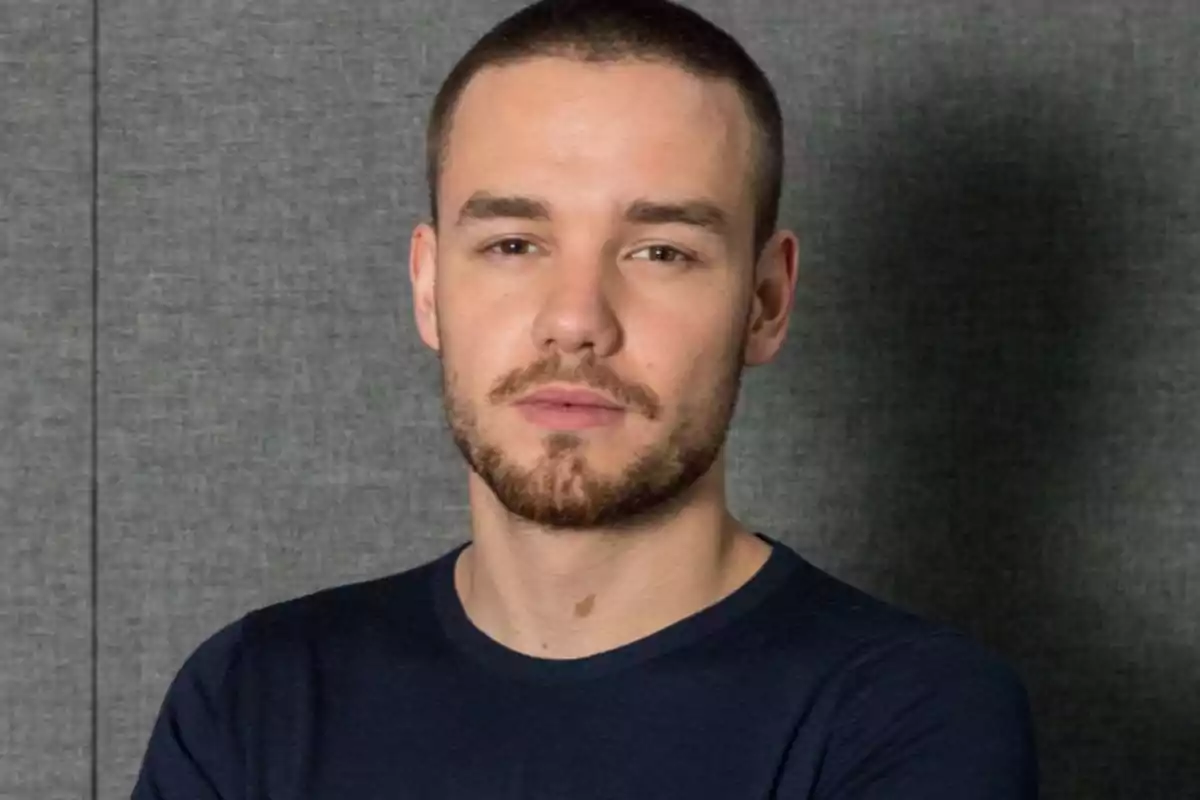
x,y
932,716
913,704
324,628
829,618
871,644
249,683
938,674
317,627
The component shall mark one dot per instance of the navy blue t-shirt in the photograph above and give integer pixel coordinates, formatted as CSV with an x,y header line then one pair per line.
x,y
794,686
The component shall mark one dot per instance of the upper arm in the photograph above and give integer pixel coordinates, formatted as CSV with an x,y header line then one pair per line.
x,y
194,751
938,717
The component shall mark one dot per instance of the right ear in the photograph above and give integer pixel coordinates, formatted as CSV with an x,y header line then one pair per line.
x,y
422,271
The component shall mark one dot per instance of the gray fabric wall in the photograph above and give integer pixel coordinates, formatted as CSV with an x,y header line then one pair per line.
x,y
45,397
988,409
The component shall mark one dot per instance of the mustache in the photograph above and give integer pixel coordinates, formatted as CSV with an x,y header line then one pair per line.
x,y
586,373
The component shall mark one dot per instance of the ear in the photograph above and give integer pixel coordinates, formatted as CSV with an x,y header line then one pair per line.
x,y
775,277
422,271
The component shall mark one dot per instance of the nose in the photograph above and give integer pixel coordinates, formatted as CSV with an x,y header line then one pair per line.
x,y
577,311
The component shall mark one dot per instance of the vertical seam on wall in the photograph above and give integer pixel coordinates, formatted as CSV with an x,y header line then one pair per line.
x,y
94,549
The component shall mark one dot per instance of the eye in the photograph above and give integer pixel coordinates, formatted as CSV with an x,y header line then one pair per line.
x,y
663,252
512,246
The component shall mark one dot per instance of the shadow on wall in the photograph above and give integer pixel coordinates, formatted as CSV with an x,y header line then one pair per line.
x,y
983,230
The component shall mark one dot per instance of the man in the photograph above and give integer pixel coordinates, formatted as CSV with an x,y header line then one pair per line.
x,y
601,263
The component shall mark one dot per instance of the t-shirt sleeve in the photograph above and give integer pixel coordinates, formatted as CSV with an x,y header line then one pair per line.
x,y
195,751
938,717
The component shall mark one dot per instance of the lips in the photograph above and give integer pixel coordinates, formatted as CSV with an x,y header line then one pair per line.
x,y
568,398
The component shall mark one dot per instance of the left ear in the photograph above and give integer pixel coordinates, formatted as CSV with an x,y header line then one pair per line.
x,y
775,275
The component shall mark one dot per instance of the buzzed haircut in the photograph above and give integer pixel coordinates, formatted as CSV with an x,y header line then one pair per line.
x,y
600,31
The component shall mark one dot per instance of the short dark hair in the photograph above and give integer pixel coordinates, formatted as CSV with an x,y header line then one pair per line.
x,y
612,30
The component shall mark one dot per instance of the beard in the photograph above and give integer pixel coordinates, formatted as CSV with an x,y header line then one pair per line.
x,y
563,490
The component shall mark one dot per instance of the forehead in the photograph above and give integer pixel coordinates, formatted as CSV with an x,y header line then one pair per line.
x,y
599,133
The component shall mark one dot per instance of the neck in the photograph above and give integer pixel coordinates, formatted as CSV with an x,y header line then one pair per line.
x,y
570,594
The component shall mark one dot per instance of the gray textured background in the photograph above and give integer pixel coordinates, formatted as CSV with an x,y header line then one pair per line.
x,y
990,398
45,390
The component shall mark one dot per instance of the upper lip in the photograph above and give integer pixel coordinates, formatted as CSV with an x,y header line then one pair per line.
x,y
574,397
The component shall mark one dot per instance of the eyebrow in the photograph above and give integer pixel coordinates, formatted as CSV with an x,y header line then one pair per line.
x,y
697,213
483,206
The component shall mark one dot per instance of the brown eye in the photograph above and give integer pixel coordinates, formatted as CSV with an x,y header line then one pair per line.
x,y
509,247
662,252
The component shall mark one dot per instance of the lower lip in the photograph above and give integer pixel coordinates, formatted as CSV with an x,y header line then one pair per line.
x,y
569,418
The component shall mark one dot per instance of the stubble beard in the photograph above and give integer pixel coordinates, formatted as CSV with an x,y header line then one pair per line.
x,y
562,490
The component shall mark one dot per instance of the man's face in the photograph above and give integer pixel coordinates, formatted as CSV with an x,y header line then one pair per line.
x,y
543,278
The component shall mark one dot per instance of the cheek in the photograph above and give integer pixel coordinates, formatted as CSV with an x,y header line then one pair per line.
x,y
475,357
466,363
682,374
691,340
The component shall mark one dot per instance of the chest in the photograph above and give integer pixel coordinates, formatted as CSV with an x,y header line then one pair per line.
x,y
695,737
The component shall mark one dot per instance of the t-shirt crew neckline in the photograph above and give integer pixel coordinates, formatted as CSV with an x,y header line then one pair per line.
x,y
491,654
